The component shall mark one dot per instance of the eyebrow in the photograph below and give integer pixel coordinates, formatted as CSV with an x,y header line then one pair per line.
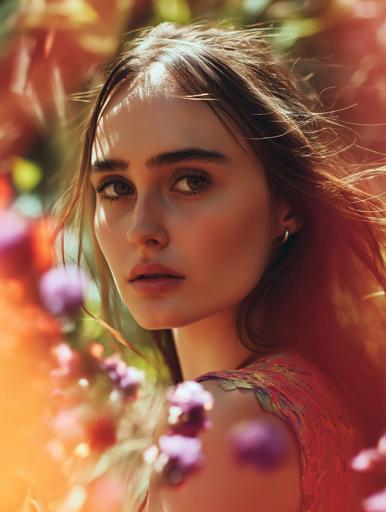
x,y
163,159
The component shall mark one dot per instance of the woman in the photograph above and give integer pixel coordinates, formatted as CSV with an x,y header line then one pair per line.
x,y
219,202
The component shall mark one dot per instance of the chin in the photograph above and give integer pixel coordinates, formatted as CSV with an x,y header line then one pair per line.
x,y
159,321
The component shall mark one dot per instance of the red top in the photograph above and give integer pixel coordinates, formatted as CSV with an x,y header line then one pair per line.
x,y
294,389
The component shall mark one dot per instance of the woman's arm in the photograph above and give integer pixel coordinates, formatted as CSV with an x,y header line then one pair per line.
x,y
223,485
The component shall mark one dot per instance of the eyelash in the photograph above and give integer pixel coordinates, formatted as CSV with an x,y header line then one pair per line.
x,y
115,179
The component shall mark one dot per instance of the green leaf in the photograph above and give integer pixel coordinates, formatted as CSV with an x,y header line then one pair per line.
x,y
173,10
291,30
39,13
80,11
102,45
255,7
8,8
26,175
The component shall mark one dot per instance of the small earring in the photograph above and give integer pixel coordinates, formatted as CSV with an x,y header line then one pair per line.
x,y
286,236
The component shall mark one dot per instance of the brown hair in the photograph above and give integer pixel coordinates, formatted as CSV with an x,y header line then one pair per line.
x,y
323,295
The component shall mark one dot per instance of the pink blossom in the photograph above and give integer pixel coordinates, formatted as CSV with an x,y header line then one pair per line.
x,y
381,446
376,502
366,460
68,426
69,361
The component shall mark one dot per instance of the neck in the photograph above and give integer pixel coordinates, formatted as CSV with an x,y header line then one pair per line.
x,y
210,344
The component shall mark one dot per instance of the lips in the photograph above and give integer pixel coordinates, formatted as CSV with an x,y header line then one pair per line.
x,y
156,285
153,270
154,276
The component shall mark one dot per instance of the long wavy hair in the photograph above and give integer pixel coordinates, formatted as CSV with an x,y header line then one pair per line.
x,y
324,294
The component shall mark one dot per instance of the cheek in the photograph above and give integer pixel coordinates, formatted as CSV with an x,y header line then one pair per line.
x,y
235,243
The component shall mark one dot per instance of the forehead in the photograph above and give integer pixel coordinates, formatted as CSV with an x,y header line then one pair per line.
x,y
155,115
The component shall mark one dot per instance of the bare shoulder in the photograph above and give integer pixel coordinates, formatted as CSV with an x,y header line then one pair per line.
x,y
224,485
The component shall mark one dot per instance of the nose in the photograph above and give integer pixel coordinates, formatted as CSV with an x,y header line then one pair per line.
x,y
146,227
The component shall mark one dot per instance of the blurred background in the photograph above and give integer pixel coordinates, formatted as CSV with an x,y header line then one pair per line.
x,y
51,52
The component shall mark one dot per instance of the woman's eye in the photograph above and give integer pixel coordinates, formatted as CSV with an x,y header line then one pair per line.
x,y
113,189
196,183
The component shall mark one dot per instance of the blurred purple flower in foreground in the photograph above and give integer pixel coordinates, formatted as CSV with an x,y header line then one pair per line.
x,y
62,290
127,378
376,502
179,457
15,243
259,442
69,363
188,403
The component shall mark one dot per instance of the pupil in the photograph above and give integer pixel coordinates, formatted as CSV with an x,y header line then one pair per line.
x,y
195,180
120,188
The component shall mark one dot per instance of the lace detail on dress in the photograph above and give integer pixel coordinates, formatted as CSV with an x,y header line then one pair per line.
x,y
294,389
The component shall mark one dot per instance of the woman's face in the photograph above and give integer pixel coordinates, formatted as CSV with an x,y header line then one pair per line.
x,y
211,221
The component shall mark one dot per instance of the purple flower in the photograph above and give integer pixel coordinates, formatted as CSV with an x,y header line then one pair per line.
x,y
62,290
188,403
116,369
111,363
16,255
179,456
190,394
127,378
376,502
259,442
69,361
131,380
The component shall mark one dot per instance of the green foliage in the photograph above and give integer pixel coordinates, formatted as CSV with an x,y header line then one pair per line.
x,y
172,10
26,175
7,9
290,31
253,8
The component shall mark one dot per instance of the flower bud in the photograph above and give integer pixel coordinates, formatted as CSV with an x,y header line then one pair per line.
x,y
259,442
179,456
188,403
62,290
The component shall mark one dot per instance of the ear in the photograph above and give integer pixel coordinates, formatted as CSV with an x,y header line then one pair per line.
x,y
286,218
